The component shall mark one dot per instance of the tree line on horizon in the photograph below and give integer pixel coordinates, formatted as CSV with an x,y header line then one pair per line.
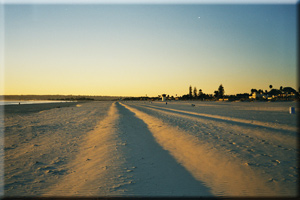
x,y
195,94
219,94
199,94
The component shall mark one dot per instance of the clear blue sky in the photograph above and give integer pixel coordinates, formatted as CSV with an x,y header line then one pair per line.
x,y
134,50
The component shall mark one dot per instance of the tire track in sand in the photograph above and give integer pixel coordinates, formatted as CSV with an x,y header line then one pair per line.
x,y
95,170
273,135
153,171
267,152
224,175
232,119
119,158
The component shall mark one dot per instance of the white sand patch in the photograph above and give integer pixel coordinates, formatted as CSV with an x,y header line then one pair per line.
x,y
225,175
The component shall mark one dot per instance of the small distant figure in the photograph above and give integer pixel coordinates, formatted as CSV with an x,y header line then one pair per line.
x,y
193,105
166,102
19,103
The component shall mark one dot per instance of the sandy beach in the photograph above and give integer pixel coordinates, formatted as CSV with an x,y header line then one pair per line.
x,y
143,149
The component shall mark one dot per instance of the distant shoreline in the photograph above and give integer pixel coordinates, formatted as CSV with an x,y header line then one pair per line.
x,y
22,102
30,108
57,98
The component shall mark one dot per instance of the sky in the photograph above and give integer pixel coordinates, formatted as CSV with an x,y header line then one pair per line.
x,y
148,49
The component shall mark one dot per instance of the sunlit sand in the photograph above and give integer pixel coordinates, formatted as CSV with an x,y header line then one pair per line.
x,y
142,149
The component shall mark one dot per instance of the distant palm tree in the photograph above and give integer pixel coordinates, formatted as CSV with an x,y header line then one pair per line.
x,y
281,88
200,92
253,90
221,91
195,92
190,91
270,86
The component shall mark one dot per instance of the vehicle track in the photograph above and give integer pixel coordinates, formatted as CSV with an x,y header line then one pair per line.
x,y
268,150
230,119
140,150
285,137
225,175
120,157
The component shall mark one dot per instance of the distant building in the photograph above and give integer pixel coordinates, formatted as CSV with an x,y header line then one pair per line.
x,y
242,96
163,97
253,96
224,99
256,95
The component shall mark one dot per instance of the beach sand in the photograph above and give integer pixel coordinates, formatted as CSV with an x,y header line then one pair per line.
x,y
99,149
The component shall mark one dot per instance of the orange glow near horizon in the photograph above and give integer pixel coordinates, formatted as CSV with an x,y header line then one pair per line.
x,y
134,50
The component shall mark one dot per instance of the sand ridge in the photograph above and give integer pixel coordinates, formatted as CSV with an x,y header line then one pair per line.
x,y
224,175
139,149
121,158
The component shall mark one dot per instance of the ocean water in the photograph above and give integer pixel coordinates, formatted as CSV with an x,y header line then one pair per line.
x,y
28,102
